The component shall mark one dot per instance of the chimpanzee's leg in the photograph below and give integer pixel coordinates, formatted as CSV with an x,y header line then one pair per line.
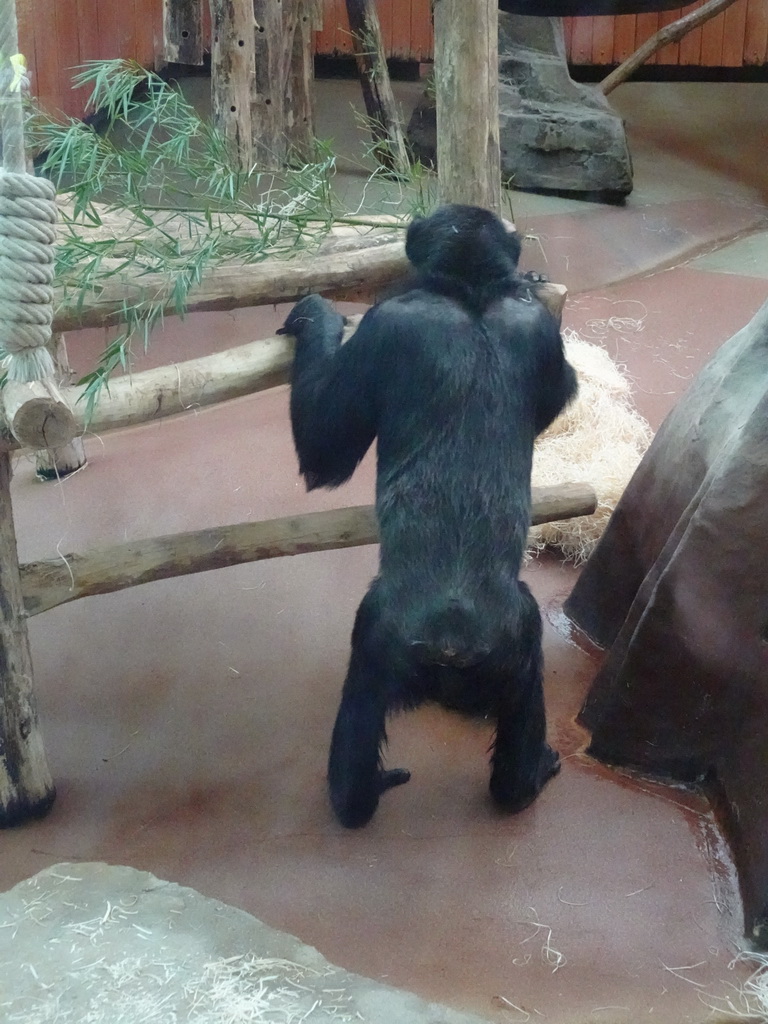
x,y
374,680
522,762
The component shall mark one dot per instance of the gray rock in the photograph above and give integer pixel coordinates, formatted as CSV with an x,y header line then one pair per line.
x,y
555,134
112,945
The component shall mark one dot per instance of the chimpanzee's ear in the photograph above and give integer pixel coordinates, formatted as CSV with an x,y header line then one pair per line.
x,y
513,245
416,241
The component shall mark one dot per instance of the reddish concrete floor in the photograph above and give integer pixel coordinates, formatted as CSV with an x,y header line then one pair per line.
x,y
187,722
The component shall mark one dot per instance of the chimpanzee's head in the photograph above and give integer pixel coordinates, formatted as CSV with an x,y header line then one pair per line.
x,y
463,242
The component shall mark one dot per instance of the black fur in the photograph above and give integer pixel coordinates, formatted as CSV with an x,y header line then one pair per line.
x,y
455,379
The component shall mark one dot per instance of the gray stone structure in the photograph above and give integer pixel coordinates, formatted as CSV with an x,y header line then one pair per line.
x,y
556,135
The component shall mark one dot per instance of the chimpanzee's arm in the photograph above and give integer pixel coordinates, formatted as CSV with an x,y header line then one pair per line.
x,y
333,393
557,379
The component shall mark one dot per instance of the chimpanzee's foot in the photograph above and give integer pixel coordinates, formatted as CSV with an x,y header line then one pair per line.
x,y
394,777
513,793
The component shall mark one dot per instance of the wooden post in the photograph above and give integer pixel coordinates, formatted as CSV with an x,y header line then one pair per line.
x,y
268,82
467,94
383,116
232,63
183,31
26,786
299,99
56,463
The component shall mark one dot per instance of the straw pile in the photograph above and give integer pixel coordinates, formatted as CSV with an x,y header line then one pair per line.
x,y
599,440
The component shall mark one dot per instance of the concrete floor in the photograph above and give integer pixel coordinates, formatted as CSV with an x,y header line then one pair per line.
x,y
187,722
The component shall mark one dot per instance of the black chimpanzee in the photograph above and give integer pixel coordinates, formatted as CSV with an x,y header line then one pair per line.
x,y
455,378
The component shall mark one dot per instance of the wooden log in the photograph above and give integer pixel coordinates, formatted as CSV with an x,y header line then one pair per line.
x,y
169,390
372,263
36,416
26,786
57,463
56,581
268,83
232,69
467,102
183,31
668,34
383,116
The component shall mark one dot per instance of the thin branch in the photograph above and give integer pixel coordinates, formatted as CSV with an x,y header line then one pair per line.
x,y
669,34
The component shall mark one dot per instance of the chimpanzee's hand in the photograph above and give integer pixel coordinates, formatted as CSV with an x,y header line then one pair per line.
x,y
533,278
313,310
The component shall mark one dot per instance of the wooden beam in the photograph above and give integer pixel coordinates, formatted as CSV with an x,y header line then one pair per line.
x,y
183,31
351,266
35,415
26,786
369,263
57,581
232,69
170,390
384,118
467,102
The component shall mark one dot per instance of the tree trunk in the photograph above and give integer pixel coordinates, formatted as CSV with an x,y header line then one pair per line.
x,y
26,787
183,31
299,98
383,117
268,83
60,580
467,100
232,67
669,34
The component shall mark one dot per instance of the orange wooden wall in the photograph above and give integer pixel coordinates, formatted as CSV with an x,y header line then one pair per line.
x,y
406,26
733,39
736,38
57,35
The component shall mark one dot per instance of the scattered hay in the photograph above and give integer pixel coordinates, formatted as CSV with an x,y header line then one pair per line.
x,y
749,1000
154,990
549,955
599,439
103,985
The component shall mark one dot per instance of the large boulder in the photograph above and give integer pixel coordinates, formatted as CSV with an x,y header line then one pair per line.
x,y
677,592
555,135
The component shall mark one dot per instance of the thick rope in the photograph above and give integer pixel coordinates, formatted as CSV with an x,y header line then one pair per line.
x,y
27,236
27,230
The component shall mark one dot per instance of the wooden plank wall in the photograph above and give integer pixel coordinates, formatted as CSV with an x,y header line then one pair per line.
x,y
405,24
736,38
733,39
57,35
